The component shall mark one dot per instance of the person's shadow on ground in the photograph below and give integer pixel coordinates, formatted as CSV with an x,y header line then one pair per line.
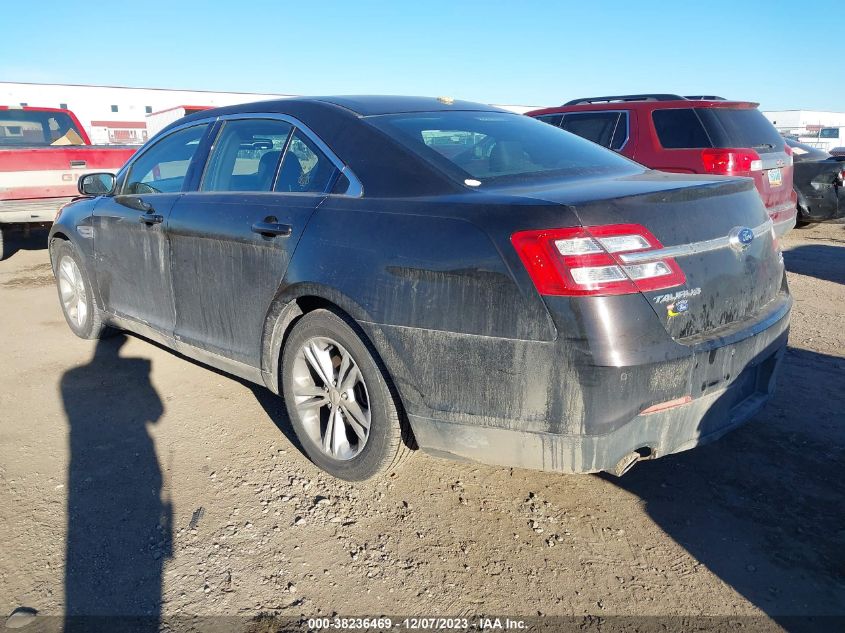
x,y
762,507
119,525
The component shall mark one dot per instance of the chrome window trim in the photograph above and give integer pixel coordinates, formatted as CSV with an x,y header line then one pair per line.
x,y
685,250
627,125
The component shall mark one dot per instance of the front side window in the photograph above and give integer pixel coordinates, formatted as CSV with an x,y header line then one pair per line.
x,y
608,129
305,169
163,167
246,155
498,146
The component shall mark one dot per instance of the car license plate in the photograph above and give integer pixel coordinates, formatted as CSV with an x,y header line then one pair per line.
x,y
775,177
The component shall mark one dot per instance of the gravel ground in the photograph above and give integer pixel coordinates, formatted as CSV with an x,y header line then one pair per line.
x,y
185,496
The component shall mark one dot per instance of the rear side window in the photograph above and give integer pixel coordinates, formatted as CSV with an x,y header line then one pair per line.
x,y
162,168
305,169
246,155
679,128
609,129
551,119
740,127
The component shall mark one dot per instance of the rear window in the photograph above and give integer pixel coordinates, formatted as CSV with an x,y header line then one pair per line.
x,y
492,146
29,128
696,128
740,127
829,132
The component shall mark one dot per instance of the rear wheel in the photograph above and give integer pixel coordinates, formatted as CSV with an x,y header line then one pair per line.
x,y
75,294
342,408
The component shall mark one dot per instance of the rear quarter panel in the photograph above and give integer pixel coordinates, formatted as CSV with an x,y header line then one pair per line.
x,y
452,314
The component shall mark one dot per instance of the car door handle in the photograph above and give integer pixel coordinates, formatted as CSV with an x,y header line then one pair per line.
x,y
272,229
151,218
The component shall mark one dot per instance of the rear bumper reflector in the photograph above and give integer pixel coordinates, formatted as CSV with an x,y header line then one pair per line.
x,y
669,404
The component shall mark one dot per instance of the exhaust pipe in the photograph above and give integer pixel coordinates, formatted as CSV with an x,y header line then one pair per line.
x,y
625,464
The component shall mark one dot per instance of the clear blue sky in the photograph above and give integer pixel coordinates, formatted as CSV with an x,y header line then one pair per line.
x,y
778,52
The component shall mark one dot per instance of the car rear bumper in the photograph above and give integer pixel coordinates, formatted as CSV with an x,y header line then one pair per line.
x,y
725,380
37,210
822,205
784,216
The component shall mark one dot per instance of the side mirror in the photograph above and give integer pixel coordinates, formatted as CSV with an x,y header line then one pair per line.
x,y
98,184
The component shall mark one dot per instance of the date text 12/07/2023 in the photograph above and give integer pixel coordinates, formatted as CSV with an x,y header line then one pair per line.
x,y
416,624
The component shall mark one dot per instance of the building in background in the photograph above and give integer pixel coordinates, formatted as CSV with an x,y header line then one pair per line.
x,y
804,123
120,116
117,115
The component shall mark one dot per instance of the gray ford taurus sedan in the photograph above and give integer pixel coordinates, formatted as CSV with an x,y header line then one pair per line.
x,y
417,272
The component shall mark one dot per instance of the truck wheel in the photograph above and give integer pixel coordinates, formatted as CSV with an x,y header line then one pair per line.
x,y
75,294
343,410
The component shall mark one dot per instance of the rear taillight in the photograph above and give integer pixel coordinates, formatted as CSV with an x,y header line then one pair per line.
x,y
584,260
787,150
731,162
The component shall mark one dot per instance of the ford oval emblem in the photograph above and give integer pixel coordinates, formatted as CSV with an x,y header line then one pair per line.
x,y
741,237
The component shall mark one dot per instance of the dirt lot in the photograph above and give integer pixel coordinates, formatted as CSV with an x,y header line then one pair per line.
x,y
184,494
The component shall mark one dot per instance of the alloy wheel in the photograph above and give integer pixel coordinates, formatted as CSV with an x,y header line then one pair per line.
x,y
331,398
72,291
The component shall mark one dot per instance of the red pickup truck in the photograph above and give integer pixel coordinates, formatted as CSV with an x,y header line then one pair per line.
x,y
43,151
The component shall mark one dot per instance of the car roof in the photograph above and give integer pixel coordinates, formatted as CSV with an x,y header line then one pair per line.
x,y
371,105
387,167
643,104
360,105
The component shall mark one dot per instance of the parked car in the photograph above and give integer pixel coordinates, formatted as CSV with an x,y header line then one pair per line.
x,y
818,180
701,134
828,138
530,300
43,151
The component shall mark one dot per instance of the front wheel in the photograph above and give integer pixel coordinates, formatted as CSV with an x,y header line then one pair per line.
x,y
341,406
75,294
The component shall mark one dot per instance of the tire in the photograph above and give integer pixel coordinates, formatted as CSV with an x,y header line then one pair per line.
x,y
2,242
323,342
72,282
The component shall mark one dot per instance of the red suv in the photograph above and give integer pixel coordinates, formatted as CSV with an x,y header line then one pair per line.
x,y
698,135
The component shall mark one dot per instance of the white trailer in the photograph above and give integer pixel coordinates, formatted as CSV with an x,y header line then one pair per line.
x,y
157,121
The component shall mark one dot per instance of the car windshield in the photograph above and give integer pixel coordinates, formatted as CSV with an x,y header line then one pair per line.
x,y
499,146
37,128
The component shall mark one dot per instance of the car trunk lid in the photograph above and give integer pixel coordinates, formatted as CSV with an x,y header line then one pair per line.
x,y
715,229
